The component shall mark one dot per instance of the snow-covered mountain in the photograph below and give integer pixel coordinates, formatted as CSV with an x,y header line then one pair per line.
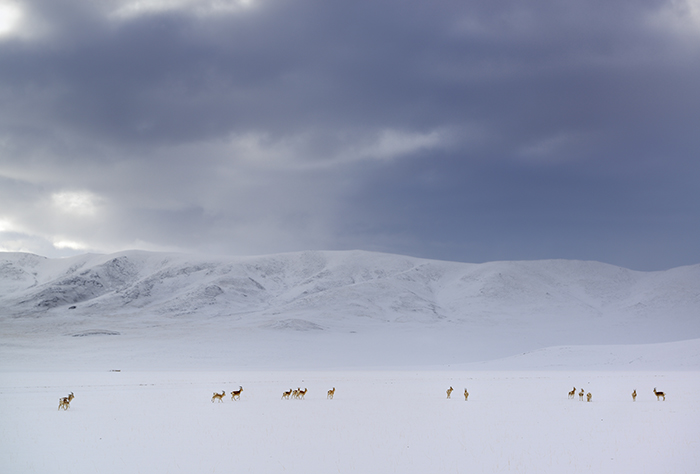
x,y
354,306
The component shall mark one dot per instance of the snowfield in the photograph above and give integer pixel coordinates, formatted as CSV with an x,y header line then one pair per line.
x,y
384,422
144,339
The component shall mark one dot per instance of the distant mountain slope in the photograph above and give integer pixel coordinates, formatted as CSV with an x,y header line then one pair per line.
x,y
379,286
496,308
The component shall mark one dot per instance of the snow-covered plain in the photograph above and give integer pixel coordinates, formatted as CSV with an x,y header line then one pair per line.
x,y
383,421
391,333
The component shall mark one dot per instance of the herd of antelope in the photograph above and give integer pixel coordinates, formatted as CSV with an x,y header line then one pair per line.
x,y
589,397
299,394
296,394
235,395
450,390
572,394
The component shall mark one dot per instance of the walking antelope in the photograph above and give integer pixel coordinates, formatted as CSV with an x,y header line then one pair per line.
x,y
466,395
331,392
659,394
65,401
236,394
449,391
580,395
218,396
572,393
634,395
589,396
287,394
302,393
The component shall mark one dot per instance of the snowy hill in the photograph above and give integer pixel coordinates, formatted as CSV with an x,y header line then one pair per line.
x,y
354,307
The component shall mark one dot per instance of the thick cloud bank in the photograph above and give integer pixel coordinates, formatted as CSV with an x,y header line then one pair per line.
x,y
455,130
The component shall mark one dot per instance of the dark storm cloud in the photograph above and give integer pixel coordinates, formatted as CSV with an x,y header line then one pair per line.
x,y
458,130
289,66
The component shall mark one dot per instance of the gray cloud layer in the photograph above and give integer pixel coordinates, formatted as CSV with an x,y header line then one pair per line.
x,y
465,131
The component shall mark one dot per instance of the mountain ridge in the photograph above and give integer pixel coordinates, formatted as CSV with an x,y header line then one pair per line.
x,y
296,281
391,306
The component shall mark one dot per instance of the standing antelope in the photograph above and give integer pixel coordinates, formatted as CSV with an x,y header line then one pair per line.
x,y
572,393
65,401
286,394
580,395
634,395
302,393
589,396
449,392
659,394
236,394
331,392
466,395
218,396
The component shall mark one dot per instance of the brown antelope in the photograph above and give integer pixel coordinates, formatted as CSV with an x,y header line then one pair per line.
x,y
295,393
302,393
218,396
236,394
287,394
572,393
449,391
659,394
634,395
331,392
580,395
65,401
589,396
466,395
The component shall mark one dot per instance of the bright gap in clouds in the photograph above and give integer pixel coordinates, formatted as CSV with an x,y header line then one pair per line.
x,y
12,241
10,16
78,203
69,244
131,9
5,226
681,17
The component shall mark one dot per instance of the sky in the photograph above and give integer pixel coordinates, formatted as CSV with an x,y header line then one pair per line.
x,y
466,130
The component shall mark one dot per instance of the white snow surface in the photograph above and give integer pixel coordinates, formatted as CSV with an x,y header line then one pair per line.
x,y
378,422
349,309
144,339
